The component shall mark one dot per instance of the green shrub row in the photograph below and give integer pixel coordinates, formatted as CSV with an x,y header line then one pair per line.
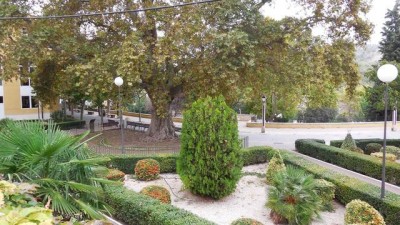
x,y
67,125
126,163
348,188
364,164
362,143
133,208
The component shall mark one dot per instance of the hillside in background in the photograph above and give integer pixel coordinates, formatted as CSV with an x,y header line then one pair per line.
x,y
367,56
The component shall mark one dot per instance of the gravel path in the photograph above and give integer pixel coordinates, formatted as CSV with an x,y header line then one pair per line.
x,y
248,200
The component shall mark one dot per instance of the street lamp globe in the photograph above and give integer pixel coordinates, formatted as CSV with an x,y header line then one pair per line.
x,y
387,73
263,98
118,81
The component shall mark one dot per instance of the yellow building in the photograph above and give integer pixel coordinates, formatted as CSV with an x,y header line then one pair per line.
x,y
18,101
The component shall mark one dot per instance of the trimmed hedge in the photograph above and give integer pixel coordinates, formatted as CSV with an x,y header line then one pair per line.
x,y
79,124
364,164
348,189
133,208
362,143
126,163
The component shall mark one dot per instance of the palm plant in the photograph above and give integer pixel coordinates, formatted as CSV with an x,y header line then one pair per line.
x,y
294,197
60,164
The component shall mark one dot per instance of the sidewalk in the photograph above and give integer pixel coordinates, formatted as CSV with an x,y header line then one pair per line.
x,y
388,187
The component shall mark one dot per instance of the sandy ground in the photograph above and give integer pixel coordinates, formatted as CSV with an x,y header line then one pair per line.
x,y
248,200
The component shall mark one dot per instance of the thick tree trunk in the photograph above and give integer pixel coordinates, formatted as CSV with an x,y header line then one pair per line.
x,y
161,128
82,107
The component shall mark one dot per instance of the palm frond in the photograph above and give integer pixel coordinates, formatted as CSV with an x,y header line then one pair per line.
x,y
92,161
92,212
106,181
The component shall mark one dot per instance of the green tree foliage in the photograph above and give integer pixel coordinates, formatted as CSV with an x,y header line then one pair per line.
x,y
63,167
390,44
191,51
275,165
374,109
294,196
318,115
210,161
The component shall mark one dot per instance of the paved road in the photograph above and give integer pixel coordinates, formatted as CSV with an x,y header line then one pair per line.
x,y
285,138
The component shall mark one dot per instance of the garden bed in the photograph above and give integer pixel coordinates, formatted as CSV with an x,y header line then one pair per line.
x,y
247,201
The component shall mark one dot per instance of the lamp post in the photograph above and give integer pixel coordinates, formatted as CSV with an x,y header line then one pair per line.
x,y
119,81
386,73
263,98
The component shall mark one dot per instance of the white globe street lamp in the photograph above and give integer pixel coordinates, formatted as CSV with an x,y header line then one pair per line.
x,y
386,73
119,81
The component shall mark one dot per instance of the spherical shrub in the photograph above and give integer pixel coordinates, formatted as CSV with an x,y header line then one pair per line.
x,y
358,150
210,159
372,147
360,212
147,169
348,143
246,221
275,165
157,192
114,174
393,150
389,156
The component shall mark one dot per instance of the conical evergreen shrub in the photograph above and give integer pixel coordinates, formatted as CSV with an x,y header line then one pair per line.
x,y
275,165
349,143
210,162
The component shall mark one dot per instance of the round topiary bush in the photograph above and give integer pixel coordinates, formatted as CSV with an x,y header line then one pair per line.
x,y
360,212
275,165
393,150
246,221
389,156
372,147
147,169
358,150
157,192
114,174
210,161
348,143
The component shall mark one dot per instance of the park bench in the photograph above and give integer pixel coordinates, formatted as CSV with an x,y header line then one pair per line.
x,y
111,123
137,124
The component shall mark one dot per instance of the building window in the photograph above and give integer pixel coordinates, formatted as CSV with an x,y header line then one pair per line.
x,y
29,102
26,104
1,99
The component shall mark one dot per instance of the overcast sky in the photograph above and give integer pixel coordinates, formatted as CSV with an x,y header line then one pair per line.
x,y
281,8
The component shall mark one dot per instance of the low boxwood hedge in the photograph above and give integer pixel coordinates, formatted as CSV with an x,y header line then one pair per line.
x,y
364,164
362,143
126,163
133,208
347,188
68,125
